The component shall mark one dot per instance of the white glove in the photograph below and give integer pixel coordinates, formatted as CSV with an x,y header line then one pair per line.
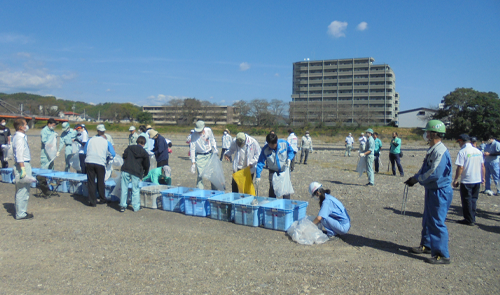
x,y
361,155
257,180
4,146
57,155
288,162
215,151
193,168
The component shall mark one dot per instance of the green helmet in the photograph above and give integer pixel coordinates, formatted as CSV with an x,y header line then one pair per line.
x,y
435,126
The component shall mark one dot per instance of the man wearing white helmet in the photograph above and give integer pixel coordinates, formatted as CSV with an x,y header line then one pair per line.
x,y
362,142
349,140
66,142
226,142
368,155
132,137
332,215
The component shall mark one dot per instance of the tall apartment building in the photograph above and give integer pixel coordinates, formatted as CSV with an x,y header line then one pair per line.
x,y
171,115
343,91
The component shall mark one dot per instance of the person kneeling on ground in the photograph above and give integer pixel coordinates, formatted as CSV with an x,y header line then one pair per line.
x,y
332,215
135,165
160,175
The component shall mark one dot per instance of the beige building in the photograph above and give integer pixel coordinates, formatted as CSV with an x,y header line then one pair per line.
x,y
172,115
343,91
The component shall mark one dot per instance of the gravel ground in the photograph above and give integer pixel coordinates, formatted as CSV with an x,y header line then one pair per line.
x,y
70,248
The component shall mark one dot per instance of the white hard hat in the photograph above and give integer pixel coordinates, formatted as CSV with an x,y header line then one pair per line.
x,y
313,187
132,128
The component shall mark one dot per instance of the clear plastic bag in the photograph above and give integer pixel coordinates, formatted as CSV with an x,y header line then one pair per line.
x,y
361,166
75,162
305,232
152,162
282,184
8,153
214,172
75,147
51,148
117,190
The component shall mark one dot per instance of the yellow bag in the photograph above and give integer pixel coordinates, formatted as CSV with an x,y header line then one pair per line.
x,y
243,179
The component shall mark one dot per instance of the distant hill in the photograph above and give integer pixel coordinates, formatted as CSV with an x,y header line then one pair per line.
x,y
34,104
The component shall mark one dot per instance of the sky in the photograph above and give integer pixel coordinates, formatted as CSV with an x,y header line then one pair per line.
x,y
148,52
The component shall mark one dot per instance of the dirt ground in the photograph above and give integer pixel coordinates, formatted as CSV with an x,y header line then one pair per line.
x,y
70,248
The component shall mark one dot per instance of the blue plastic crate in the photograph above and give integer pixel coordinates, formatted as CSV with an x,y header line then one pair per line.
x,y
196,202
221,206
7,175
109,185
280,214
38,171
76,183
55,177
247,214
173,200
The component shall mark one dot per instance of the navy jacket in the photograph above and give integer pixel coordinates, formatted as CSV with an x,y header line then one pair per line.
x,y
160,149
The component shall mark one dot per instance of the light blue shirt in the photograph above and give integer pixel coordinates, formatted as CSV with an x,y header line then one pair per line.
x,y
492,148
378,145
333,208
370,145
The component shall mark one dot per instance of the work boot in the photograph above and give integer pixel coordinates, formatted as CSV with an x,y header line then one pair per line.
x,y
420,250
438,260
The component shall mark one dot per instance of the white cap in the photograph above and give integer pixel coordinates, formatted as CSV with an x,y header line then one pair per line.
x,y
101,128
132,128
313,187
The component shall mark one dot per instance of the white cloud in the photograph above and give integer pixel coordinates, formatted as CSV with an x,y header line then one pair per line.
x,y
244,66
15,38
160,99
108,90
32,79
337,28
276,75
362,26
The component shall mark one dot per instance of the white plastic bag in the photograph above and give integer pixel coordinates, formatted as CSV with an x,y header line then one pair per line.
x,y
305,232
282,184
8,153
361,166
214,172
75,147
117,162
26,179
152,162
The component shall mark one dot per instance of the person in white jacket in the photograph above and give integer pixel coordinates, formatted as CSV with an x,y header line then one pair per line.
x,y
226,142
306,146
293,140
247,151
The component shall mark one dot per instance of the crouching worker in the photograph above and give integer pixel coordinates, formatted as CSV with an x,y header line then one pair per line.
x,y
135,165
160,175
332,215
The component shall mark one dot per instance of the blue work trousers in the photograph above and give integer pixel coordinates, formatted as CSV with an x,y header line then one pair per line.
x,y
434,231
377,162
492,171
334,228
395,159
126,178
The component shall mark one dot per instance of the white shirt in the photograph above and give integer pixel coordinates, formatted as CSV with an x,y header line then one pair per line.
x,y
306,142
362,140
226,141
246,156
471,159
293,141
201,143
83,137
21,148
349,140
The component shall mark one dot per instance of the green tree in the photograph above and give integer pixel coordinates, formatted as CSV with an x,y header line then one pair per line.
x,y
472,112
144,118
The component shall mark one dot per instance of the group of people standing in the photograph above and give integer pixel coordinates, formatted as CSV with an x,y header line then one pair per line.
x,y
474,167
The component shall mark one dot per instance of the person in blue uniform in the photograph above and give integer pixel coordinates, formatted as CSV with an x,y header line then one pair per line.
x,y
277,154
332,215
436,177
